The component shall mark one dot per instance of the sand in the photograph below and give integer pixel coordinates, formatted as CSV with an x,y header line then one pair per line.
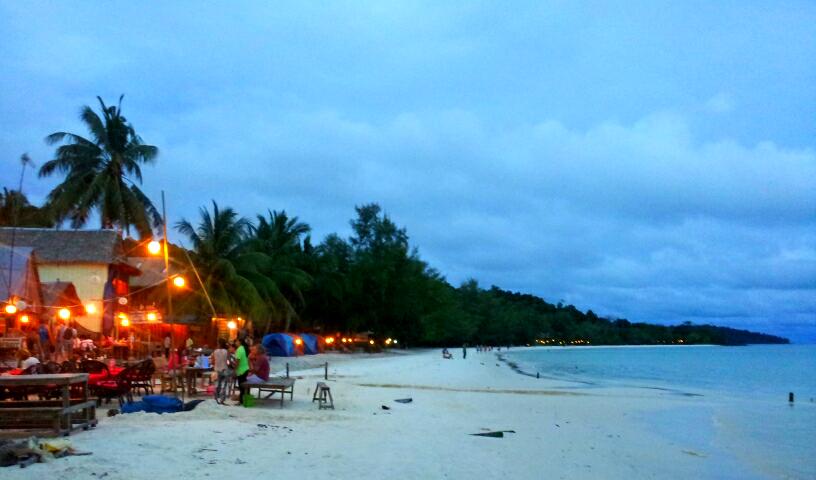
x,y
561,430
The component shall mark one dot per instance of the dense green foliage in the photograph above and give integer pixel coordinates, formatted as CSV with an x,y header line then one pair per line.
x,y
374,281
101,174
15,210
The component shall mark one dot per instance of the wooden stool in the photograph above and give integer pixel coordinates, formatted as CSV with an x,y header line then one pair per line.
x,y
323,396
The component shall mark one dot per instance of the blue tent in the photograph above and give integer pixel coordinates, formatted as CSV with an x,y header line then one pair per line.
x,y
310,345
279,345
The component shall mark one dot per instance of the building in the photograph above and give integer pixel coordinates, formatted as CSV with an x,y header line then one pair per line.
x,y
92,260
20,294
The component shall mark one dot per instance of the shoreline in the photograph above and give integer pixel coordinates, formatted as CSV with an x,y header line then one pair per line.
x,y
603,433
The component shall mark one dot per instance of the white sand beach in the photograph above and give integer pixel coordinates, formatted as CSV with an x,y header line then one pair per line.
x,y
559,432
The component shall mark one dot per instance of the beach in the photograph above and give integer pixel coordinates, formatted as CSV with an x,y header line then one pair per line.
x,y
557,429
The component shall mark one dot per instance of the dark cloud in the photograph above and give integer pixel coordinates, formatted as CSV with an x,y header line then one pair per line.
x,y
657,166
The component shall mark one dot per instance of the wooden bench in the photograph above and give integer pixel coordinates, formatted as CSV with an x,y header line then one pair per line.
x,y
58,417
323,397
274,385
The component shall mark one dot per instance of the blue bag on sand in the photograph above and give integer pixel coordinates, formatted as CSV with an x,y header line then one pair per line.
x,y
154,404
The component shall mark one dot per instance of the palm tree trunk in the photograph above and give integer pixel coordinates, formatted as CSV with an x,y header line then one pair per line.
x,y
288,320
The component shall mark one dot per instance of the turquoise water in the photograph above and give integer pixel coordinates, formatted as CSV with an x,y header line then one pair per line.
x,y
767,371
736,398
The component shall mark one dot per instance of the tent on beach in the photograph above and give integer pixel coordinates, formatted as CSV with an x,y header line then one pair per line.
x,y
311,344
279,345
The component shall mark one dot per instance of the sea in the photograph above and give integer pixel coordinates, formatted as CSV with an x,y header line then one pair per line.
x,y
736,399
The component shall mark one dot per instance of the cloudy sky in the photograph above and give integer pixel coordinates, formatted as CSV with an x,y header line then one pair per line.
x,y
654,161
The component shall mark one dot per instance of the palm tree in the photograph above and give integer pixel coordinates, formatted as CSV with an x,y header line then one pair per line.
x,y
281,281
229,274
102,173
16,211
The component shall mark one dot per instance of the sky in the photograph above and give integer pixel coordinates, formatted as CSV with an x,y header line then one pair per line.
x,y
647,160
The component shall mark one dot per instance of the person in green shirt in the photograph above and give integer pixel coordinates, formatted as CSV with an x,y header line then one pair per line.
x,y
242,369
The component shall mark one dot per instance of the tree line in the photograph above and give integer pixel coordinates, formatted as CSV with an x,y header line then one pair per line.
x,y
269,270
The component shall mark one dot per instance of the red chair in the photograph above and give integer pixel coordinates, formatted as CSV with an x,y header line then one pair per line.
x,y
119,386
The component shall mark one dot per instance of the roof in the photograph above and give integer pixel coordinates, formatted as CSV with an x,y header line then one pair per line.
x,y
66,246
152,269
60,294
23,275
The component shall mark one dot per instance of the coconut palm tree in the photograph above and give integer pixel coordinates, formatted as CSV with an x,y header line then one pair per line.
x,y
102,173
278,238
228,272
16,211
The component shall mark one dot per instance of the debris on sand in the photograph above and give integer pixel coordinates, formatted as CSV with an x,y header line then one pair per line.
x,y
404,400
496,434
32,450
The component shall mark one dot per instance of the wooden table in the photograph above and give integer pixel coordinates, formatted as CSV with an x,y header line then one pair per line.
x,y
59,416
275,385
191,375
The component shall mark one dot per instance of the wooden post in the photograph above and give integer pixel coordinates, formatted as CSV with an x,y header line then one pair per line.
x,y
790,397
326,371
287,369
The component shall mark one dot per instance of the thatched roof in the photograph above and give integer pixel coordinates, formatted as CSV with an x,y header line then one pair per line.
x,y
60,294
66,246
152,269
18,276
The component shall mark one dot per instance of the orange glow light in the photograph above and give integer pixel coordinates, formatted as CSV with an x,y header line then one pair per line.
x,y
232,325
154,247
90,308
371,342
298,341
64,313
330,340
151,317
11,309
24,319
179,281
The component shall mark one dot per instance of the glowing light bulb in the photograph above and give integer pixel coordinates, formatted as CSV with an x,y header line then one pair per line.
x,y
64,313
179,281
154,247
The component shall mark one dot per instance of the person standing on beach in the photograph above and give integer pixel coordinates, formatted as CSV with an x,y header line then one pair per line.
x,y
464,351
45,341
67,339
219,360
167,342
241,369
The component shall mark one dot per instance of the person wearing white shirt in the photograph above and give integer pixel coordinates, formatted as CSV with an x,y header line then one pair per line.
x,y
28,359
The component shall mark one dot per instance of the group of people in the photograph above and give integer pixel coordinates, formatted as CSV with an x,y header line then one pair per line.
x,y
232,361
236,361
479,348
59,344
